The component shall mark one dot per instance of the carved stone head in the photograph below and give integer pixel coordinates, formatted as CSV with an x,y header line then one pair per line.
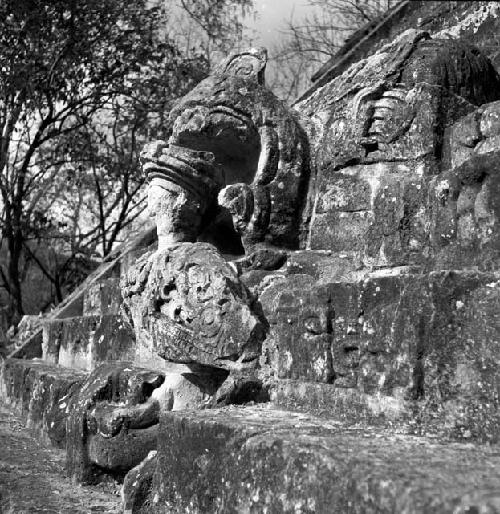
x,y
236,156
188,306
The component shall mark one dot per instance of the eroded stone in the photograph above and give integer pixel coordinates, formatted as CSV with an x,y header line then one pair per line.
x,y
112,420
254,459
188,305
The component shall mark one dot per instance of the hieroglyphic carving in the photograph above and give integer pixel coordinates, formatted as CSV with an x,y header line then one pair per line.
x,y
188,306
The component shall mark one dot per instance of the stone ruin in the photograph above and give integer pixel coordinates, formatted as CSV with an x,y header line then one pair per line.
x,y
317,327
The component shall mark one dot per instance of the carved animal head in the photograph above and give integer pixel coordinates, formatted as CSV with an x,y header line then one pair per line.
x,y
253,140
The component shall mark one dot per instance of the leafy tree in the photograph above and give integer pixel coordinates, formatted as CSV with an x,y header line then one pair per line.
x,y
83,84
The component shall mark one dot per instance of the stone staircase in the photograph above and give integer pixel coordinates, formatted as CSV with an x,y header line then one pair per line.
x,y
98,335
98,294
313,448
83,331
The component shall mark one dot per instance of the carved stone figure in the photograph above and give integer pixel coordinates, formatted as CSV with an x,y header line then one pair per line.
x,y
370,184
112,421
380,137
188,306
236,156
183,185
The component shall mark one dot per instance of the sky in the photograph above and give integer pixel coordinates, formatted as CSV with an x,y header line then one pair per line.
x,y
272,15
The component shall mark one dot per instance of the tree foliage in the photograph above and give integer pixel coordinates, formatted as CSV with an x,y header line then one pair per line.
x,y
83,84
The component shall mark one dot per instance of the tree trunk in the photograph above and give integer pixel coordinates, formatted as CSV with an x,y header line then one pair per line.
x,y
13,274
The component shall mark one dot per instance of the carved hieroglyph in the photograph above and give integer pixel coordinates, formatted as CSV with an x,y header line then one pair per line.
x,y
189,306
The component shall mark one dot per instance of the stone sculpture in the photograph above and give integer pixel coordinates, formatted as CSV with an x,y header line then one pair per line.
x,y
339,256
188,306
369,168
375,176
112,421
232,139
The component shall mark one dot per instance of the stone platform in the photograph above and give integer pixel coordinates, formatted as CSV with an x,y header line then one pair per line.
x,y
39,393
83,342
256,459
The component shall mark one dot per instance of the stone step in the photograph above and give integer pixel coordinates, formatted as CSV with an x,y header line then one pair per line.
x,y
102,298
419,347
83,342
38,392
72,305
257,459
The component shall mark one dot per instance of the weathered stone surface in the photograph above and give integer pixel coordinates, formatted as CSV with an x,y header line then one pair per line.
x,y
464,205
347,404
111,425
137,494
184,183
72,305
326,266
258,460
428,343
40,392
234,137
103,298
188,305
84,342
382,188
27,327
300,314
123,451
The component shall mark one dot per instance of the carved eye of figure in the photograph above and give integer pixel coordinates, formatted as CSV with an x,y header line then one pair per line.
x,y
167,289
313,325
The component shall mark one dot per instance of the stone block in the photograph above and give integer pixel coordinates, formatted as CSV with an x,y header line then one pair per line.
x,y
85,341
124,451
374,210
301,332
137,487
325,266
102,298
392,332
464,214
490,119
261,460
427,344
346,404
40,392
340,231
460,140
344,192
188,390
